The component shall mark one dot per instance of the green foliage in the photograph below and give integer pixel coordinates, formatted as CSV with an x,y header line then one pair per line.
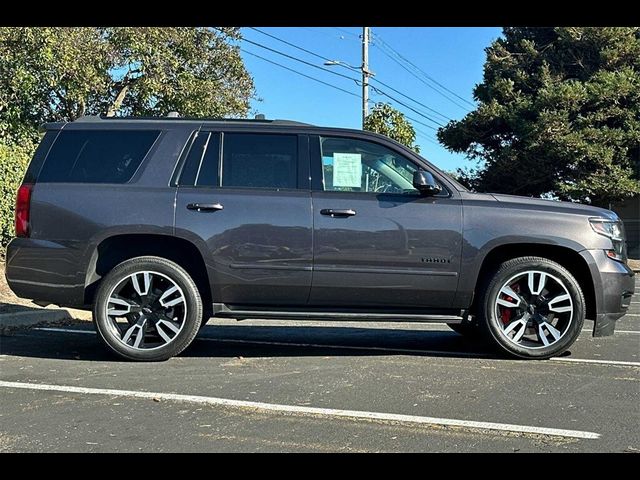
x,y
386,120
13,163
558,114
61,73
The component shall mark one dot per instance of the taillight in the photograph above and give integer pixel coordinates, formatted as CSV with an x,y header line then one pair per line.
x,y
23,201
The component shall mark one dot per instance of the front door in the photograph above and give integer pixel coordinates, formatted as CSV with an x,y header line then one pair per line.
x,y
244,196
377,242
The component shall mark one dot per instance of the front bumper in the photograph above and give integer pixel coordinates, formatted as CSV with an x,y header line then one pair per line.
x,y
614,283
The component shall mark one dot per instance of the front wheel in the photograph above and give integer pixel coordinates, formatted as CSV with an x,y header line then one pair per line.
x,y
532,308
147,309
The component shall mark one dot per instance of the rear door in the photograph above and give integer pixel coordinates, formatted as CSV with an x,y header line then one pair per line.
x,y
247,197
377,242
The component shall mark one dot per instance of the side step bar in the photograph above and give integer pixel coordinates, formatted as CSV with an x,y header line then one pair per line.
x,y
222,310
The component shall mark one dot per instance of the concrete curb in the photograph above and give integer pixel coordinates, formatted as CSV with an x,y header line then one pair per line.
x,y
31,318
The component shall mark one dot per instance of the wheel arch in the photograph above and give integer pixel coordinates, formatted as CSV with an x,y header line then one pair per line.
x,y
567,257
115,249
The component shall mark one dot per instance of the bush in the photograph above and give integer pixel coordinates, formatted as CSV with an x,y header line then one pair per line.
x,y
13,163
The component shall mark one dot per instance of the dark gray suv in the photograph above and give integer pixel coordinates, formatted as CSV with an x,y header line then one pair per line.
x,y
160,224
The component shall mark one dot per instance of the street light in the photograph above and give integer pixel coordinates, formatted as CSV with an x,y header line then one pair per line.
x,y
331,63
363,69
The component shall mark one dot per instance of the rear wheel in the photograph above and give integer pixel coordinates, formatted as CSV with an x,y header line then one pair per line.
x,y
148,309
532,307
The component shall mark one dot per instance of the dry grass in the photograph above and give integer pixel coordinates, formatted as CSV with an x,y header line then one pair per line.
x,y
7,298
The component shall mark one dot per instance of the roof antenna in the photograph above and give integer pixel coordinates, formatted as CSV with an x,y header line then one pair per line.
x,y
259,116
173,114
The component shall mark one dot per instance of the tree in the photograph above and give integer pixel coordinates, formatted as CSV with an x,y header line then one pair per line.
x,y
558,114
13,162
52,74
386,120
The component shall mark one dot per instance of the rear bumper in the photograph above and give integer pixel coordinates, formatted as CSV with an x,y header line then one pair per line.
x,y
614,284
45,271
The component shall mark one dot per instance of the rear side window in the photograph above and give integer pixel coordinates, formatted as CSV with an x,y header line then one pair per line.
x,y
38,157
260,160
93,156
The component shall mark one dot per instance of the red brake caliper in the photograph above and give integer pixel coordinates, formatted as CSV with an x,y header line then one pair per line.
x,y
505,314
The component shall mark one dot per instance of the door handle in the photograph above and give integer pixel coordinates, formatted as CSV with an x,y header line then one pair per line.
x,y
205,207
337,213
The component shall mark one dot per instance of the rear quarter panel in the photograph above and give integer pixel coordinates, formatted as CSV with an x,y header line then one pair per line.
x,y
69,220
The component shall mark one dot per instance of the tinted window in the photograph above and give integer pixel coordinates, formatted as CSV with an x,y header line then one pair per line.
x,y
96,156
260,161
350,165
38,157
201,165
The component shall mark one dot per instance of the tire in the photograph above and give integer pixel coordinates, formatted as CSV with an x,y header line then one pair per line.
x,y
531,308
158,311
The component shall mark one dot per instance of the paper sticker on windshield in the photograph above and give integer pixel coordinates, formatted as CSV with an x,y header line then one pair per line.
x,y
347,170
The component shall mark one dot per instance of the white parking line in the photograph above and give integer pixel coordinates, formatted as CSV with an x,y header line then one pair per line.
x,y
617,331
443,353
315,411
600,362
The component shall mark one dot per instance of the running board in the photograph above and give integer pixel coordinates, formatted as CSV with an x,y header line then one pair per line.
x,y
221,310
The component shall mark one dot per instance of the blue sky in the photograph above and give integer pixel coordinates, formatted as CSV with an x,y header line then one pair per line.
x,y
453,56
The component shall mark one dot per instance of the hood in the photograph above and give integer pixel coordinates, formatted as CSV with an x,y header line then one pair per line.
x,y
554,205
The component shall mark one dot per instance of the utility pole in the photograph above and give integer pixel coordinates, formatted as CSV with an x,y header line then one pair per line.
x,y
365,73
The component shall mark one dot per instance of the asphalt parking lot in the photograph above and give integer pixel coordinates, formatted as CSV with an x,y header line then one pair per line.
x,y
257,386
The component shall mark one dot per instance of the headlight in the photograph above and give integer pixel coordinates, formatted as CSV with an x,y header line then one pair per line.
x,y
612,229
608,228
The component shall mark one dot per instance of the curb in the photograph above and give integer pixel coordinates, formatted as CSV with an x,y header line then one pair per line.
x,y
31,318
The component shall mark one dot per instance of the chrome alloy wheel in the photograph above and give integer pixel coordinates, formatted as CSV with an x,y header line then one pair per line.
x,y
146,310
534,309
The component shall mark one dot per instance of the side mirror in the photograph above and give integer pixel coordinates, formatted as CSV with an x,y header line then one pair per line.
x,y
425,183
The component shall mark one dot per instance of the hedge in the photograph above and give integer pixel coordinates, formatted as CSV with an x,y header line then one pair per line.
x,y
13,163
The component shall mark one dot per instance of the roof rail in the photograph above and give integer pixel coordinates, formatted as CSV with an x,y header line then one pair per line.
x,y
100,118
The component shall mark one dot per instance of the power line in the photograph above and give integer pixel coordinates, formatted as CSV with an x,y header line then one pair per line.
x,y
414,74
411,72
426,136
425,73
333,86
347,32
329,84
290,44
320,31
412,99
344,76
337,88
291,57
409,107
419,122
300,73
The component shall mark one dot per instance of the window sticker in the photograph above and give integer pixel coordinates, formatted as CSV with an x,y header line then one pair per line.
x,y
347,170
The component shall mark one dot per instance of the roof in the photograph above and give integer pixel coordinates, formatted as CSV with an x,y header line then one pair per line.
x,y
101,118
